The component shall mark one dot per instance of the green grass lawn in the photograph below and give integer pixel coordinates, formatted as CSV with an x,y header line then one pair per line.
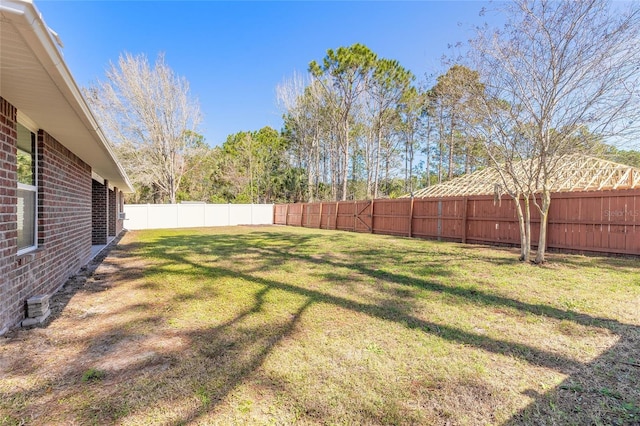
x,y
274,325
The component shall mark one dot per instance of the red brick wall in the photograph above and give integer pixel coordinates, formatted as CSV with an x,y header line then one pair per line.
x,y
64,220
8,209
112,212
99,214
64,215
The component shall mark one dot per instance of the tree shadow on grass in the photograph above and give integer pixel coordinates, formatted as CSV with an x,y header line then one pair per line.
x,y
196,368
604,391
595,392
140,367
274,256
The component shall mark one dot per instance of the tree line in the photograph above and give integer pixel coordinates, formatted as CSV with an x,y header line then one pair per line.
x,y
560,78
361,127
355,127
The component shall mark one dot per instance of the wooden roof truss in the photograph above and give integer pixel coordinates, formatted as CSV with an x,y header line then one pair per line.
x,y
575,173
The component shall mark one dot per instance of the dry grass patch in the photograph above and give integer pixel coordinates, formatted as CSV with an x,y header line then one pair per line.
x,y
293,326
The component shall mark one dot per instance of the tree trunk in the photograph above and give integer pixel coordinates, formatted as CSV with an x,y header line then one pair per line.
x,y
172,190
544,214
155,193
335,168
345,174
450,173
527,229
309,184
523,225
406,165
316,162
440,160
311,170
377,169
467,160
428,165
251,177
411,166
368,162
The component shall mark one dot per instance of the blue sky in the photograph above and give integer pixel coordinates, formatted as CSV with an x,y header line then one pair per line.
x,y
234,54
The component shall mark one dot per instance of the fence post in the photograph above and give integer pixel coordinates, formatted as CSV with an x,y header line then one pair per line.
x,y
465,201
440,219
286,215
336,222
411,218
355,213
302,216
372,215
320,217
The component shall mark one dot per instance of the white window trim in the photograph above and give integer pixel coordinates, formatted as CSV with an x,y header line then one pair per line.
x,y
35,220
33,188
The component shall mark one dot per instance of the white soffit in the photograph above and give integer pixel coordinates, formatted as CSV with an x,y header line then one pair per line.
x,y
97,178
35,79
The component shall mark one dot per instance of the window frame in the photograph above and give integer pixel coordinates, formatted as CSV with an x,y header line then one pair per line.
x,y
31,188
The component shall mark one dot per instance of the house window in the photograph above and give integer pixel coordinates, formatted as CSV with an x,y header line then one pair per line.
x,y
27,190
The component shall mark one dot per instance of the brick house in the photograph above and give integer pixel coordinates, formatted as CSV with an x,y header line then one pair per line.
x,y
61,187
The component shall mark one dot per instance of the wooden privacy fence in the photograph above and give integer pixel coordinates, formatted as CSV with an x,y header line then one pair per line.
x,y
598,221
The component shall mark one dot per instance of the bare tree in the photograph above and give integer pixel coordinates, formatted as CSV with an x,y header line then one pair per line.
x,y
148,113
558,70
301,100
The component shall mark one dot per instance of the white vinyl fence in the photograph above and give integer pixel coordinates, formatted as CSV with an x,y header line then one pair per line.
x,y
158,216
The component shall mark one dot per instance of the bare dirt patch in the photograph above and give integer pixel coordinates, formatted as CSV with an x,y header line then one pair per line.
x,y
43,369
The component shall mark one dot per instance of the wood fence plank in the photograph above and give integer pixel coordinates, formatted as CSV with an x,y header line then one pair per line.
x,y
597,221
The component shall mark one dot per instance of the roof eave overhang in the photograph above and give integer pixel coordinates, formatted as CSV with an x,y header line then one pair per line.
x,y
36,80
